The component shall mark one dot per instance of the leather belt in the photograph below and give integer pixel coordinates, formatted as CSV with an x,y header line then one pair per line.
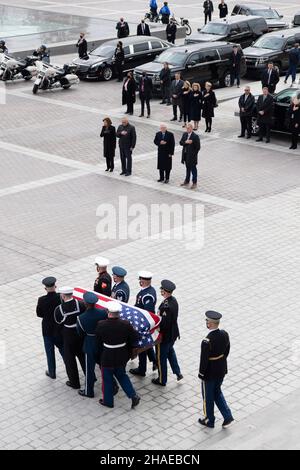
x,y
216,358
114,346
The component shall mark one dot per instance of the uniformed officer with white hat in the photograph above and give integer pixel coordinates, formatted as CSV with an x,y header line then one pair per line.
x,y
103,282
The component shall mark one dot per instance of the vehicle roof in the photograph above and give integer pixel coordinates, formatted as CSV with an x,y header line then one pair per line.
x,y
284,33
256,6
236,19
201,45
133,40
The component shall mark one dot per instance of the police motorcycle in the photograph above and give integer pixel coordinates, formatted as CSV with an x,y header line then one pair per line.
x,y
53,76
15,69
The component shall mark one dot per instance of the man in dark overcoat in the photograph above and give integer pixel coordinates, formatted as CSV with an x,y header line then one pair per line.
x,y
165,142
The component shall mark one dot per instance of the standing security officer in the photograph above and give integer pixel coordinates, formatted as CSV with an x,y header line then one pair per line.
x,y
66,315
116,339
120,290
51,332
215,349
168,310
146,299
86,326
103,282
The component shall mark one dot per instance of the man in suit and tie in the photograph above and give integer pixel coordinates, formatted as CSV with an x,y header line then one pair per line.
x,y
270,78
190,142
265,111
176,94
165,142
145,93
143,29
246,105
235,62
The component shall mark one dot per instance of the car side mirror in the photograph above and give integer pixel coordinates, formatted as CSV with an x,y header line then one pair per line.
x,y
281,16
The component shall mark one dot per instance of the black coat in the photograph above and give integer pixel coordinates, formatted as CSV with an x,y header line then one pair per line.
x,y
119,55
171,30
146,32
114,331
294,118
103,283
168,310
148,86
235,61
215,350
127,141
273,81
186,100
45,310
176,89
190,151
82,48
248,105
165,76
196,106
268,107
208,104
208,6
223,10
129,95
123,30
164,161
109,141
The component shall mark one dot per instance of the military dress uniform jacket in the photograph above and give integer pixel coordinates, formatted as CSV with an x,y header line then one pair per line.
x,y
66,314
168,310
121,292
215,349
86,326
146,299
45,310
103,283
115,338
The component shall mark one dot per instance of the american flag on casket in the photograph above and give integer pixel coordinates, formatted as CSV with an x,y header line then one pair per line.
x,y
146,323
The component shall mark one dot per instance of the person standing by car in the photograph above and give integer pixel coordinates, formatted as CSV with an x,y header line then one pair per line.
x,y
143,29
128,93
127,140
294,117
265,111
223,9
171,31
165,13
82,46
294,61
208,8
165,81
208,106
270,78
122,29
119,60
235,66
145,93
165,142
191,146
108,133
246,105
195,105
176,93
186,98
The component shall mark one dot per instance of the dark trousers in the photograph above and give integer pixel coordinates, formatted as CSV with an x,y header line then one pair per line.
x,y
165,19
171,39
186,115
208,122
246,125
143,359
212,394
235,75
166,93
191,170
207,16
295,136
175,106
50,343
264,130
144,100
164,174
110,163
292,71
130,107
90,377
108,374
73,350
119,69
126,160
165,352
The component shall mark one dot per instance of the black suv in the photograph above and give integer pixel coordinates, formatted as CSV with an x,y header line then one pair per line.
x,y
238,29
138,49
196,62
273,47
273,18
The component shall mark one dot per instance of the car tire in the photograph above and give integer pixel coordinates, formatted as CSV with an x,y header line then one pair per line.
x,y
107,73
27,78
66,87
35,89
225,81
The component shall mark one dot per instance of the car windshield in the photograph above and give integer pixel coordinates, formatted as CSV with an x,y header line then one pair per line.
x,y
172,57
268,13
104,51
215,28
273,43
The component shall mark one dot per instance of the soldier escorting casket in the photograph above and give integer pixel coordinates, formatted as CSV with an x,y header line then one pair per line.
x,y
120,290
103,282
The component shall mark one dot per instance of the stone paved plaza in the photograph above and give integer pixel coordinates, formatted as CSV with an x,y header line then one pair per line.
x,y
52,182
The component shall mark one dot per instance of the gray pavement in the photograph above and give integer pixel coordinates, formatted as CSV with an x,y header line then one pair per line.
x,y
52,183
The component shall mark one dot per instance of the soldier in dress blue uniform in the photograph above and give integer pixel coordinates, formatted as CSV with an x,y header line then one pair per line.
x,y
103,282
168,310
215,349
120,290
51,332
86,327
66,315
145,299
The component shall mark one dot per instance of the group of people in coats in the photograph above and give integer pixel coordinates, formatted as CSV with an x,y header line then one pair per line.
x,y
208,8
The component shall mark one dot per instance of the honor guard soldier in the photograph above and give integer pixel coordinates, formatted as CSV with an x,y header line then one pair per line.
x,y
168,310
120,290
103,282
66,315
86,327
51,332
116,339
215,349
145,299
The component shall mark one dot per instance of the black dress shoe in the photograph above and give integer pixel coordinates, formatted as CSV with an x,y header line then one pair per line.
x,y
135,401
179,377
267,141
173,119
76,387
111,170
116,390
160,180
206,130
166,181
123,173
204,422
104,404
162,102
148,117
240,136
248,137
141,115
292,147
127,174
137,372
154,366
227,423
50,376
259,140
107,169
157,382
83,394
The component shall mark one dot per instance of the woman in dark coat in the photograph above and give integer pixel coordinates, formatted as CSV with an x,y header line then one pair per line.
x,y
208,105
108,133
294,117
165,142
196,105
128,93
119,60
186,96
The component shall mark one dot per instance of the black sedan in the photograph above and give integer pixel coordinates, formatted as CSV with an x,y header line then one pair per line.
x,y
138,49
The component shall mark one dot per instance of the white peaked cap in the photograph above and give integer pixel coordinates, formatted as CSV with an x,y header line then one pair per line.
x,y
66,290
145,274
102,262
113,306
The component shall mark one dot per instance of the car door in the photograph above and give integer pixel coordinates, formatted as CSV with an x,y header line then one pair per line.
x,y
282,103
128,58
141,53
196,69
234,34
236,10
246,37
156,48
